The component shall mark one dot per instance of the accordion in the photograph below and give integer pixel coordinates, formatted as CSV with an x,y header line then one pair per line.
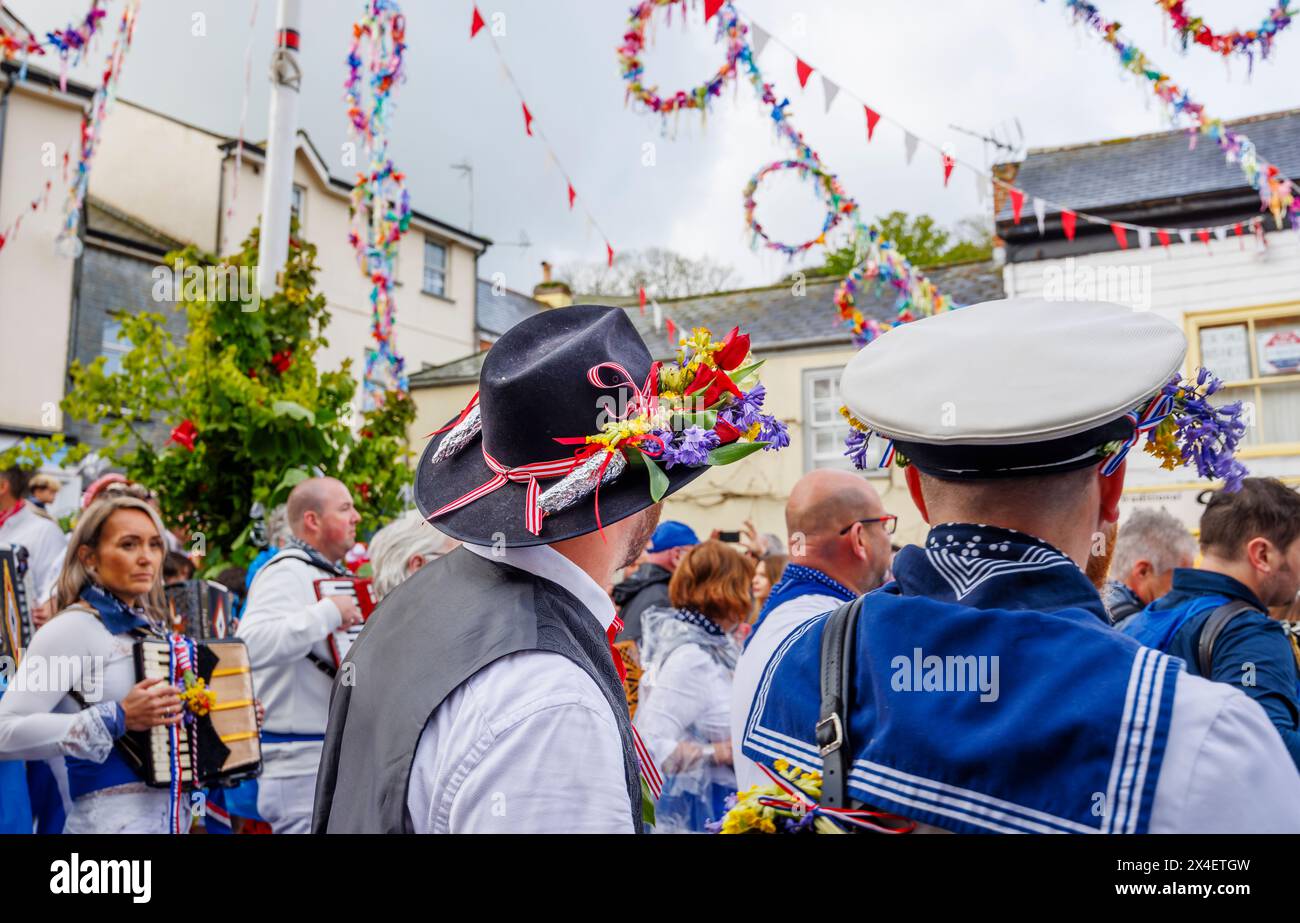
x,y
221,748
200,609
16,614
362,590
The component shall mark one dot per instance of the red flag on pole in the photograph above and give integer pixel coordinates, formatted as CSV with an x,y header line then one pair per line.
x,y
641,295
476,23
803,71
1067,223
572,195
528,120
711,7
1120,235
872,118
1017,202
672,331
1163,237
609,254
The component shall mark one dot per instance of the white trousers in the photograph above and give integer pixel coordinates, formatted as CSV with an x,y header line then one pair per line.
x,y
286,803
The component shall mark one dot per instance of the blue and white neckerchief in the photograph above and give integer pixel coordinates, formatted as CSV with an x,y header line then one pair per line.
x,y
798,580
317,558
116,615
989,694
699,620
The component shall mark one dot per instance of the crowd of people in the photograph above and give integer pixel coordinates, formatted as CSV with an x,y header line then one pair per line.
x,y
559,683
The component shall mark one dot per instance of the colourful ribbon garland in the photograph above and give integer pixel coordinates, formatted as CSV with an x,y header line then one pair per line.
x,y
71,42
381,207
1193,30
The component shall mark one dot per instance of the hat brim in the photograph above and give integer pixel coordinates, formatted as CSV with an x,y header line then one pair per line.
x,y
498,517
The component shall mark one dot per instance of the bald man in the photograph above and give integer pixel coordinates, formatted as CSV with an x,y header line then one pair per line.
x,y
286,629
839,549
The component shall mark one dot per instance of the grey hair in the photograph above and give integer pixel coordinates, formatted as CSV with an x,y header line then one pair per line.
x,y
90,529
394,544
1155,535
278,532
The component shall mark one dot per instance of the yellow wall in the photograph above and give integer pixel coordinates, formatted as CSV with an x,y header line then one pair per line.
x,y
752,488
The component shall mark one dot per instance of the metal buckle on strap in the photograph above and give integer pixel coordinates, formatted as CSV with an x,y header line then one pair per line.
x,y
836,728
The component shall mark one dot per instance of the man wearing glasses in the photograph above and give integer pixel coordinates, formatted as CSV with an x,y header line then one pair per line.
x,y
839,548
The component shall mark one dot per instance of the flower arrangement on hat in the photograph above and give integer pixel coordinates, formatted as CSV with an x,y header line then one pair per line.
x,y
704,409
789,804
1180,424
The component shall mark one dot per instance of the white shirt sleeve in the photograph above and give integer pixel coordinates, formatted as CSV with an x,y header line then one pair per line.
x,y
1225,768
30,726
277,625
526,745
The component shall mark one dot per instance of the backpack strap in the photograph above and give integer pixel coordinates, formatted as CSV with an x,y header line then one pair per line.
x,y
1211,630
838,638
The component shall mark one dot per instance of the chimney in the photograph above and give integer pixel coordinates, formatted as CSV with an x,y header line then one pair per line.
x,y
551,292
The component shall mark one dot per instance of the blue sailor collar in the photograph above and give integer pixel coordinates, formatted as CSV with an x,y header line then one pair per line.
x,y
798,580
116,615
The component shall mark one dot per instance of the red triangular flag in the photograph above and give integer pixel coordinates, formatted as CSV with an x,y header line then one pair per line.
x,y
641,294
572,195
1204,235
1163,236
711,7
476,23
803,70
872,118
609,254
672,331
1237,227
528,120
1067,223
1120,235
947,168
1017,202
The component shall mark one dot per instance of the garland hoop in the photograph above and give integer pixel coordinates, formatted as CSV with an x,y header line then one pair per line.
x,y
700,97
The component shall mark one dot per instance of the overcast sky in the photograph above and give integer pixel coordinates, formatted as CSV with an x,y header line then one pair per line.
x,y
928,65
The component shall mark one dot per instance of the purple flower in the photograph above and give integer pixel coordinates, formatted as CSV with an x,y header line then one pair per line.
x,y
690,447
773,432
856,447
745,412
1207,435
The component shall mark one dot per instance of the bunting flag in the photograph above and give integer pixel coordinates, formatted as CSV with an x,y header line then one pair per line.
x,y
909,146
1120,235
1164,237
758,39
640,293
1185,235
711,8
1204,235
658,315
609,255
802,71
572,195
948,164
1067,223
1221,233
476,23
1144,238
1017,203
528,119
872,118
1040,213
671,329
830,89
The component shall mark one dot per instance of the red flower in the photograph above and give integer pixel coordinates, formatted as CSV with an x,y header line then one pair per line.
x,y
184,435
282,360
726,432
715,383
734,350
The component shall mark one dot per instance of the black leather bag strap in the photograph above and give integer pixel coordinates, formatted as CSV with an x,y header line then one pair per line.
x,y
838,638
1211,630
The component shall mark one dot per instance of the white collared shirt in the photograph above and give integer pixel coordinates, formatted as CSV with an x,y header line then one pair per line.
x,y
527,744
46,546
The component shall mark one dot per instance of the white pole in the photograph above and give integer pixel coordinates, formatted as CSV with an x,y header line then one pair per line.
x,y
277,187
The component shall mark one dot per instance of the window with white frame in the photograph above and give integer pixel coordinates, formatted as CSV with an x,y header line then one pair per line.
x,y
825,429
297,201
111,347
435,268
1258,358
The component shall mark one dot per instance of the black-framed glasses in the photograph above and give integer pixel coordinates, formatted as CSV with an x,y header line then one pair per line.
x,y
888,522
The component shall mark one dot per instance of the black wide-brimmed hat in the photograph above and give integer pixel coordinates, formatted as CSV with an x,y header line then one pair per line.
x,y
536,387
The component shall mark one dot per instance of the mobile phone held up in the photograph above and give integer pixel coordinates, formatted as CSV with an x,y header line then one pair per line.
x,y
732,537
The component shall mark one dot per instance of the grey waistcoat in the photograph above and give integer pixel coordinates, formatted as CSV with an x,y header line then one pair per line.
x,y
438,628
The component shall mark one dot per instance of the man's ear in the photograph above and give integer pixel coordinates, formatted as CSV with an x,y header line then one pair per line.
x,y
1112,488
913,478
1262,554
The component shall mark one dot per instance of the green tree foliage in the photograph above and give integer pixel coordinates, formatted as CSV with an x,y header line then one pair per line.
x,y
923,241
245,383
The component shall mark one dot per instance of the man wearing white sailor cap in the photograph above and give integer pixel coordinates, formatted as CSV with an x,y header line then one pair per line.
x,y
983,690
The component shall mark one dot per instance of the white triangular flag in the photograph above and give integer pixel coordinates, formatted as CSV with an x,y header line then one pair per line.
x,y
1144,238
981,187
1185,235
657,313
909,145
1040,212
758,38
1221,233
830,89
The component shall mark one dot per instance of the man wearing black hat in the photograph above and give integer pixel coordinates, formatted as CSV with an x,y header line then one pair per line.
x,y
983,690
483,695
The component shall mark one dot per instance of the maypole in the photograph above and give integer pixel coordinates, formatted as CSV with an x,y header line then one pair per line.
x,y
286,81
